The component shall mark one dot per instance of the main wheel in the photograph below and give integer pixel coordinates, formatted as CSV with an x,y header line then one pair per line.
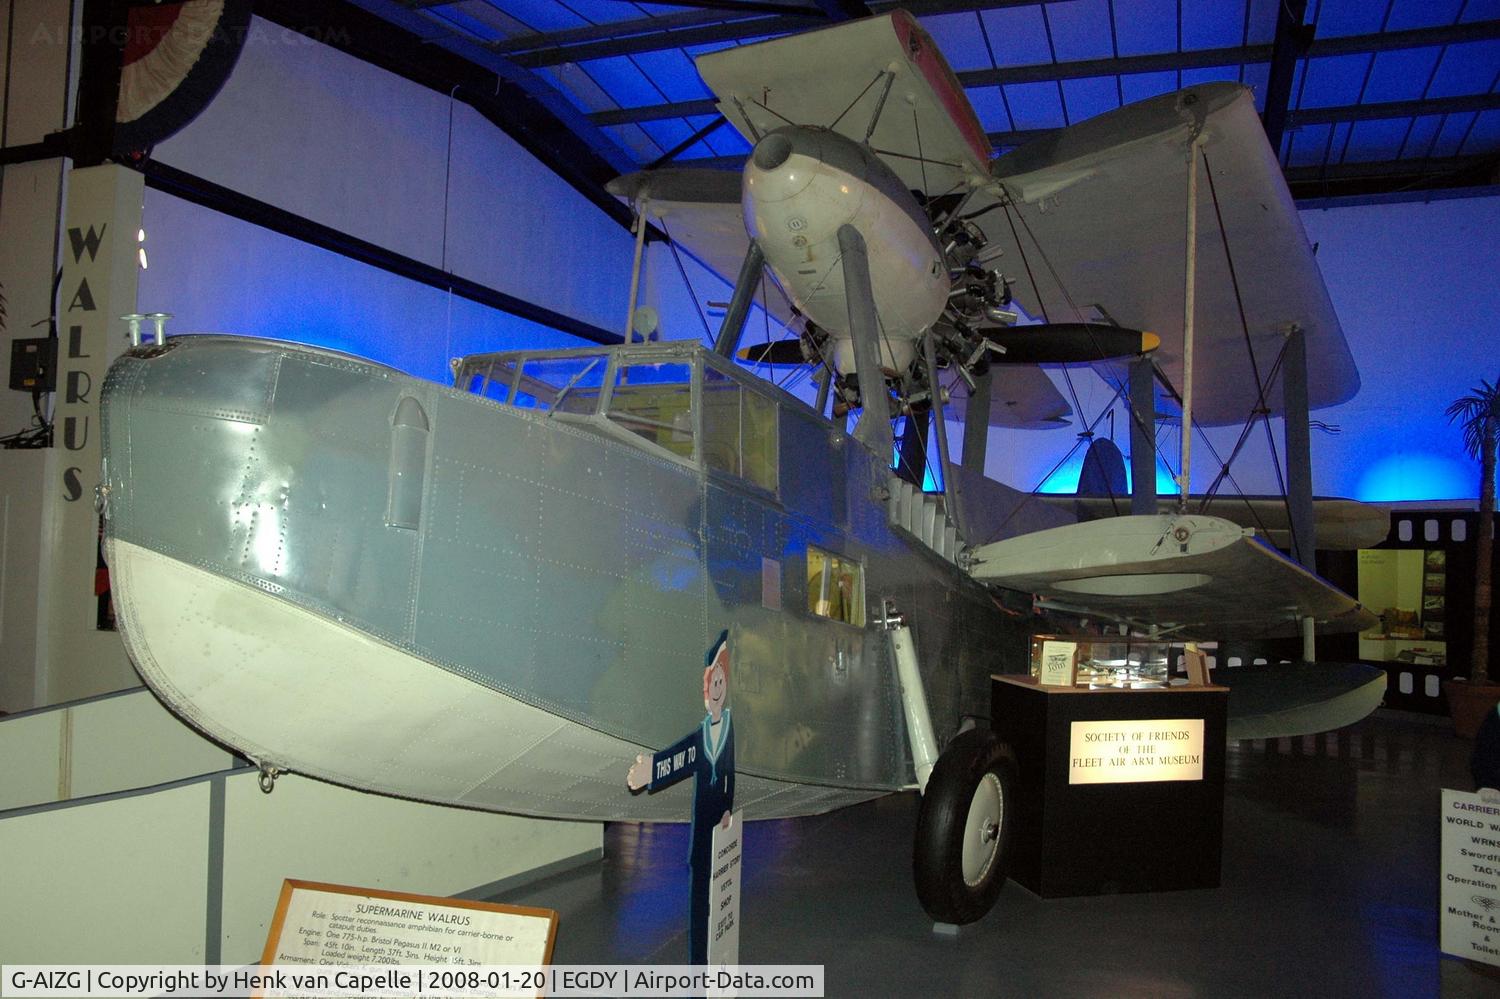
x,y
963,828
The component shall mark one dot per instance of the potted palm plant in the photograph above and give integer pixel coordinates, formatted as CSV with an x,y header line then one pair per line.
x,y
1478,413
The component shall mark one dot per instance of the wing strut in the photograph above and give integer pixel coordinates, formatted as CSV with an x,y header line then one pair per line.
x,y
733,327
874,427
1142,435
950,484
1190,288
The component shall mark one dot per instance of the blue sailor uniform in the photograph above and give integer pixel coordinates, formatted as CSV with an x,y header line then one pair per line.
x,y
712,768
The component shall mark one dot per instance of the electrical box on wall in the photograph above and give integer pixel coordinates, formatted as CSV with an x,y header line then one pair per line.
x,y
33,365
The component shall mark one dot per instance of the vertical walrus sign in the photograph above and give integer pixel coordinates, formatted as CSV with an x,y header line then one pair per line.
x,y
705,754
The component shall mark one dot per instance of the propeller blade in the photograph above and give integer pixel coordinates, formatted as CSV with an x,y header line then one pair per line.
x,y
1068,343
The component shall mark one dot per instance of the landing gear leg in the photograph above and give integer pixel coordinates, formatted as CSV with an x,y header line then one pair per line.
x,y
964,827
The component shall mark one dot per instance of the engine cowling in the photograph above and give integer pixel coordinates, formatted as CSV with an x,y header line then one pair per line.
x,y
800,186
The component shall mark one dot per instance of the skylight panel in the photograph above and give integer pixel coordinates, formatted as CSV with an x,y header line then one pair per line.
x,y
1146,27
669,132
1349,17
1423,134
604,11
1256,76
1035,105
501,23
724,140
1401,74
1485,137
960,38
580,87
1139,86
457,16
1080,30
1407,14
673,73
1481,10
622,80
1453,132
990,109
1091,97
1467,68
1210,74
1212,24
1262,22
1334,80
633,139
697,50
544,15
1017,35
1309,143
1375,139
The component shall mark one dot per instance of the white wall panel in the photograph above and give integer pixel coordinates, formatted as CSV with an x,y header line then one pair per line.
x,y
132,741
24,476
37,70
515,225
313,831
111,882
215,273
30,760
1417,288
327,136
28,231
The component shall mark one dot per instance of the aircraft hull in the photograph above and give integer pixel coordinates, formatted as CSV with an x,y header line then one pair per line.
x,y
343,571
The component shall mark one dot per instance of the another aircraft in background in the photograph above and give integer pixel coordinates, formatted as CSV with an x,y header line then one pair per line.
x,y
490,594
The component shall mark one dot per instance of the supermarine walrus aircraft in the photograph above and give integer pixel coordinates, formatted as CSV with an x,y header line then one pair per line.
x,y
495,594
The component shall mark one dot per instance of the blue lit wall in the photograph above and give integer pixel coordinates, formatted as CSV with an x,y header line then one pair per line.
x,y
339,141
1417,287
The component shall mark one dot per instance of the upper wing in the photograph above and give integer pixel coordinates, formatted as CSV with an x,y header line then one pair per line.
x,y
1202,576
835,77
1100,213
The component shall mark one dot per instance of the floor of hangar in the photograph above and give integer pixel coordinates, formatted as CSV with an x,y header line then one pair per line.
x,y
1330,883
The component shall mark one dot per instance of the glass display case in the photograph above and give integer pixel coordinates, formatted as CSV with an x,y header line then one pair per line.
x,y
1119,663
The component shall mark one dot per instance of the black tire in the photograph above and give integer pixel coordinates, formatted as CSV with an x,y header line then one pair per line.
x,y
973,773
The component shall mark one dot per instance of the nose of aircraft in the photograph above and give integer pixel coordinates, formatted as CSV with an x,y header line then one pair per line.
x,y
782,165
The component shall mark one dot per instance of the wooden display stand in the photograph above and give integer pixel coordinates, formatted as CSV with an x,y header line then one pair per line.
x,y
1117,790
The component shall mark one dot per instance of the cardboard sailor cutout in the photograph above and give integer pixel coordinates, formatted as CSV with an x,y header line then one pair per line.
x,y
707,755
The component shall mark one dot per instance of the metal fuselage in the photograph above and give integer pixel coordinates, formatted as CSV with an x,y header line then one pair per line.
x,y
454,595
801,186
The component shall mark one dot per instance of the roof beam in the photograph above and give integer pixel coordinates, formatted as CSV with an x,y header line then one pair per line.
x,y
656,40
1472,103
1160,62
1287,47
614,29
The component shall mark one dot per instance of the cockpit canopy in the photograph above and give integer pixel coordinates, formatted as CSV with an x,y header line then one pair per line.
x,y
674,398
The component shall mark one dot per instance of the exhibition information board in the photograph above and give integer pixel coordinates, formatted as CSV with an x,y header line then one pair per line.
x,y
724,894
1469,895
323,924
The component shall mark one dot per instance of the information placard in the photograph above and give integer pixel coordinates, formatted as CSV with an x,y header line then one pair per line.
x,y
1469,896
340,925
1135,751
724,895
1059,666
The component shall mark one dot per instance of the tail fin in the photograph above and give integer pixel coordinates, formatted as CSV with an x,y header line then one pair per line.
x,y
1103,471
